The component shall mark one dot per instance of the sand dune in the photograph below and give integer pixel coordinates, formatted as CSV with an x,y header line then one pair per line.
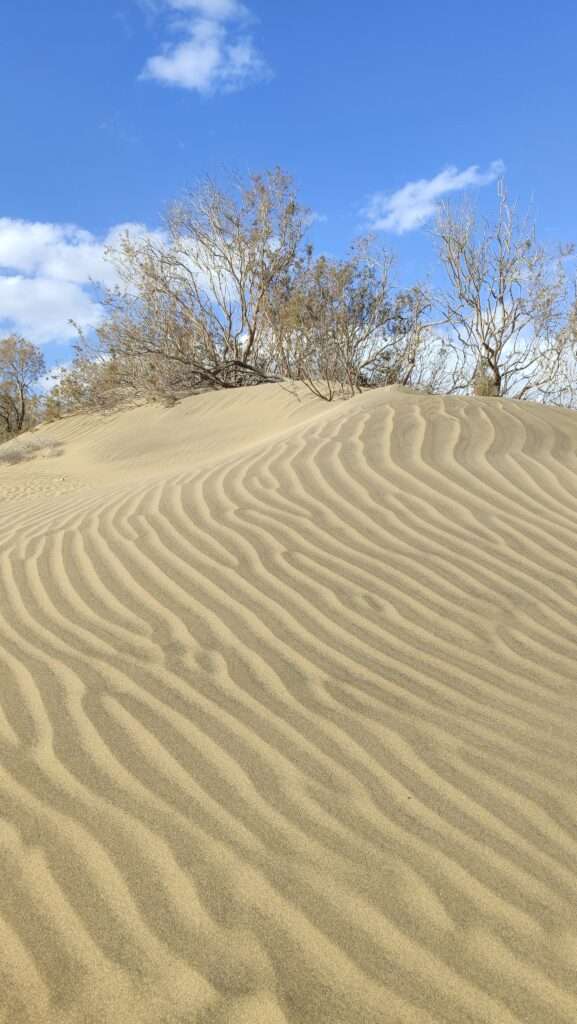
x,y
288,714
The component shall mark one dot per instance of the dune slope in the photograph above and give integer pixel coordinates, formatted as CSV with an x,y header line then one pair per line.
x,y
288,714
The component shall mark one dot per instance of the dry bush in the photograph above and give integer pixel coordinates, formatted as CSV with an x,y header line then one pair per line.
x,y
339,326
506,309
21,364
191,309
229,294
23,450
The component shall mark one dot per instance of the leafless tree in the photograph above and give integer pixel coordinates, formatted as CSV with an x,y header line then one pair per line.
x,y
93,382
21,364
505,308
229,293
340,327
192,306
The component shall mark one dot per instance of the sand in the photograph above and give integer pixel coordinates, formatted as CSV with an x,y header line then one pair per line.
x,y
288,714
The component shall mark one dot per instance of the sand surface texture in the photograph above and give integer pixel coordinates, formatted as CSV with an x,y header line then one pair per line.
x,y
288,714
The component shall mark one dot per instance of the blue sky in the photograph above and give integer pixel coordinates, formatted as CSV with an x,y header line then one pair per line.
x,y
110,109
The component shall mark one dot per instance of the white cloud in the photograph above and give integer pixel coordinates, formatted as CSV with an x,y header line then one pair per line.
x,y
315,218
53,376
417,201
46,277
218,10
40,308
216,52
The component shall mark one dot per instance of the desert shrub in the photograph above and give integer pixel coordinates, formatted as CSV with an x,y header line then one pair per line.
x,y
191,309
230,294
21,365
507,308
23,449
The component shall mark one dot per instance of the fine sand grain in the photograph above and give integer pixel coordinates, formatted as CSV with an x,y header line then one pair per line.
x,y
288,714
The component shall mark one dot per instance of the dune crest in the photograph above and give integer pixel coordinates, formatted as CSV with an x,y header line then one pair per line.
x,y
288,714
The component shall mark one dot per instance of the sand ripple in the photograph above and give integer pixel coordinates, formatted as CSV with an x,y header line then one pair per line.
x,y
288,723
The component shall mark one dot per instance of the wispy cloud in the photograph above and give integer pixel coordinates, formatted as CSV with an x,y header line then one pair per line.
x,y
416,202
52,377
46,277
215,52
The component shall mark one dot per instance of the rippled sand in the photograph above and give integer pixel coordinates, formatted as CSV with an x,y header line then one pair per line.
x,y
288,714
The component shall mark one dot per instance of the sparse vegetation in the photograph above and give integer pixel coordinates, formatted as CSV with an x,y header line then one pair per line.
x,y
507,307
339,326
230,294
25,449
21,365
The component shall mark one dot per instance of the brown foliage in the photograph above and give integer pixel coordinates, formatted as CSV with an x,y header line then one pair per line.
x,y
21,364
230,294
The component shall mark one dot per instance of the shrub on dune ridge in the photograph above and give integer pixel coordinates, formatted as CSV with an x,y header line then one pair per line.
x,y
507,307
229,294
